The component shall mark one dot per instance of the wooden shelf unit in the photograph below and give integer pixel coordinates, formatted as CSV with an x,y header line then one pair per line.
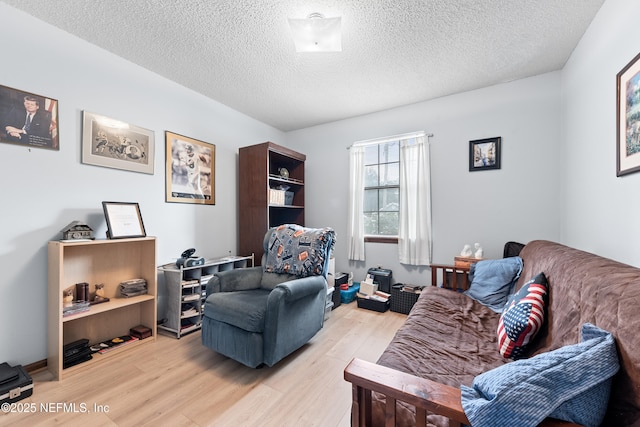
x,y
259,171
99,261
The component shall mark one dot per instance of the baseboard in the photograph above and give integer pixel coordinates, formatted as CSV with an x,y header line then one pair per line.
x,y
36,366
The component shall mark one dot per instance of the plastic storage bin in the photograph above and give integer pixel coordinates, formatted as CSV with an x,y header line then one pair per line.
x,y
350,294
374,305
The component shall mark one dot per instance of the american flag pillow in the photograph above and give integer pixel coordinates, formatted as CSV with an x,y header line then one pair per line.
x,y
522,317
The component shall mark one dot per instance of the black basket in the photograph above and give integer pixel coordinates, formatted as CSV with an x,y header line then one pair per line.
x,y
403,301
374,305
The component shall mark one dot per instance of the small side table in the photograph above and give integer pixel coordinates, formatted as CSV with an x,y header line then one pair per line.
x,y
452,276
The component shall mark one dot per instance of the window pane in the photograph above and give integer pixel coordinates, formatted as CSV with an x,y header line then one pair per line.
x,y
390,174
370,200
371,155
371,223
388,224
371,176
382,182
389,199
390,152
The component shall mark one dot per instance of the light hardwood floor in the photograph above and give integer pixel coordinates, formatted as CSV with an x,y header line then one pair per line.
x,y
182,383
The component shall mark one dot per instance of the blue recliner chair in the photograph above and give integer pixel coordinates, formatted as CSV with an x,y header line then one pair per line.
x,y
260,315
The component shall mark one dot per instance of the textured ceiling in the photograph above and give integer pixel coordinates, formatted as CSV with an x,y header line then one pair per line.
x,y
394,52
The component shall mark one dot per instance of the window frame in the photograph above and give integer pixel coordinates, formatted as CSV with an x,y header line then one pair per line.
x,y
382,238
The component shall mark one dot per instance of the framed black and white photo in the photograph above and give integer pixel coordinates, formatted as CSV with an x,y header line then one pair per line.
x,y
484,154
123,220
628,118
28,119
116,144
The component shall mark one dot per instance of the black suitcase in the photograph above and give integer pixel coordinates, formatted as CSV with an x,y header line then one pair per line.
x,y
382,277
15,383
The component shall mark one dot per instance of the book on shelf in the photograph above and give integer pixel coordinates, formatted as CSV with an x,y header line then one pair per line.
x,y
187,324
75,308
191,297
190,283
190,312
133,287
414,289
112,344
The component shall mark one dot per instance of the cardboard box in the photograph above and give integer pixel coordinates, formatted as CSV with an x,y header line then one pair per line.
x,y
368,288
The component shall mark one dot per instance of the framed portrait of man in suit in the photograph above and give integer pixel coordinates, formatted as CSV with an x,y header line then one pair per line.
x,y
28,119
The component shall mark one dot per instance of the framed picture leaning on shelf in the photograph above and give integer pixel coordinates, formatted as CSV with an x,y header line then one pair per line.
x,y
190,170
123,220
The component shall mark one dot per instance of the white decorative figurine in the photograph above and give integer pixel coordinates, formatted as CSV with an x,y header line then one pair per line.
x,y
466,251
479,251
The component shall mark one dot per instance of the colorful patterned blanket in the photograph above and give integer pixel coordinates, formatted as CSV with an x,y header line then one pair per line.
x,y
300,251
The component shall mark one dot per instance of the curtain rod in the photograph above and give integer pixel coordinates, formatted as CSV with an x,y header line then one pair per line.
x,y
390,138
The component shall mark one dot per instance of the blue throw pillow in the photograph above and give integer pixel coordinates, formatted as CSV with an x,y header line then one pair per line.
x,y
492,281
571,383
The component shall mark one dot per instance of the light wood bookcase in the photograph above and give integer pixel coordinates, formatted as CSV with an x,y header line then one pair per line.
x,y
99,261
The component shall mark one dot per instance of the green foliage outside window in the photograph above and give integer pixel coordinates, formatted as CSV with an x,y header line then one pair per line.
x,y
382,189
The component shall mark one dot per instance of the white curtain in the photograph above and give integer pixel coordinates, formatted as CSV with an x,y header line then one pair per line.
x,y
414,233
356,203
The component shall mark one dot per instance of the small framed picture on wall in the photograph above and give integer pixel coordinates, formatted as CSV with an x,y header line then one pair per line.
x,y
484,154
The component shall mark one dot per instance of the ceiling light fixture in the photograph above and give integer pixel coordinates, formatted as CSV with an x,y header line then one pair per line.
x,y
316,33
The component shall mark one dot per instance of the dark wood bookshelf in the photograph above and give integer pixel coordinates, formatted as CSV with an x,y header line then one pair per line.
x,y
259,169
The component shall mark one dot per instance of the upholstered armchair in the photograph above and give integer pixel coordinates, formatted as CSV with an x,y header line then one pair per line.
x,y
260,315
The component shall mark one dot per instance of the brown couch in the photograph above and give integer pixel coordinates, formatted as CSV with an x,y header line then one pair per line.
x,y
449,338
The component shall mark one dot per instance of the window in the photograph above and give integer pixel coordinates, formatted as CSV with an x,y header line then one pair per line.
x,y
382,189
383,209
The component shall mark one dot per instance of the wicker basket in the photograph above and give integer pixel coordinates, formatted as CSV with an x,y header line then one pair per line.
x,y
403,301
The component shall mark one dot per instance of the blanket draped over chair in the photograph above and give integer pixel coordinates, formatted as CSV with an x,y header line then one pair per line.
x,y
300,251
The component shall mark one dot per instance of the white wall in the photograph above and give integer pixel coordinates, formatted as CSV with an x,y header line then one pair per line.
x,y
600,210
557,179
518,202
43,191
